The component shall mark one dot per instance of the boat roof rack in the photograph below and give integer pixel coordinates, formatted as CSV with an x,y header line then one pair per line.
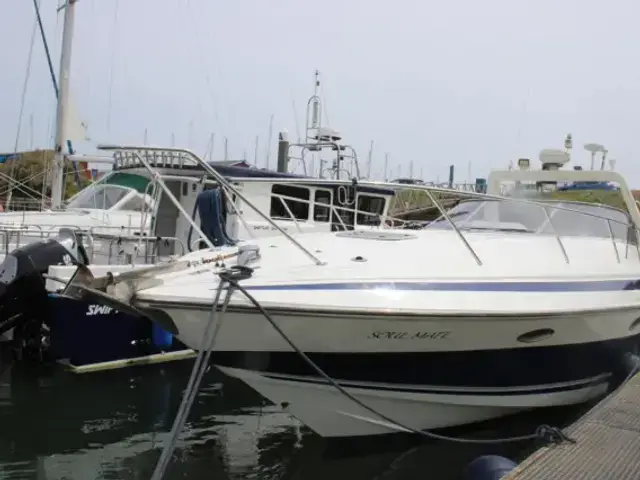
x,y
129,159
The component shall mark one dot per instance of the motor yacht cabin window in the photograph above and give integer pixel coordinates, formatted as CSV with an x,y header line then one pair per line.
x,y
370,207
297,201
322,206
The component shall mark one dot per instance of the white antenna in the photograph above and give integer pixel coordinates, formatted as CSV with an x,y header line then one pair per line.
x,y
604,158
369,160
269,141
593,148
255,153
295,117
316,119
386,166
208,152
314,111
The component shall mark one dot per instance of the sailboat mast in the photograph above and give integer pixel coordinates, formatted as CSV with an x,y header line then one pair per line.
x,y
57,173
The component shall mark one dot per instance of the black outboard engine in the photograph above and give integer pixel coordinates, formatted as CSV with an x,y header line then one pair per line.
x,y
23,296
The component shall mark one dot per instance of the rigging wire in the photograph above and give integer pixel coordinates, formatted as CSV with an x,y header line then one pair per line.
x,y
22,103
209,68
45,43
112,65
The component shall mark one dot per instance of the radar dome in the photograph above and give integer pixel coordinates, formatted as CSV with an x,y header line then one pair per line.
x,y
552,156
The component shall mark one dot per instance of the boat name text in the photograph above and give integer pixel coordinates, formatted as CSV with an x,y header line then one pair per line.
x,y
409,335
100,310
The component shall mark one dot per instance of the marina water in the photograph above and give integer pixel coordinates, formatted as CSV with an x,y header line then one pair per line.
x,y
56,425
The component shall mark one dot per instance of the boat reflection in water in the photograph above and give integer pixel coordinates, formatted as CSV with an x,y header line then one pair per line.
x,y
58,425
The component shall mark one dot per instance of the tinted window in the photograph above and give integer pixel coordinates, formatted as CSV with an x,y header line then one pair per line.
x,y
299,209
320,212
373,206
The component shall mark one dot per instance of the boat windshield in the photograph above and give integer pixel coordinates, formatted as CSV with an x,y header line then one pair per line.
x,y
99,196
498,215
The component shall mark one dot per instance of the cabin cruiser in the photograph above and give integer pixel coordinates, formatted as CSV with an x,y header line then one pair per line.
x,y
504,304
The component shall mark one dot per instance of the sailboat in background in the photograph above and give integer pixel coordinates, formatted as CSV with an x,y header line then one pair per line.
x,y
109,206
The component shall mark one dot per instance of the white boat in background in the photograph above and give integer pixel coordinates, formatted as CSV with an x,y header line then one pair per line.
x,y
502,305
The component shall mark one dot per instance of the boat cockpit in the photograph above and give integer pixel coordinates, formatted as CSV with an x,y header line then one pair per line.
x,y
557,217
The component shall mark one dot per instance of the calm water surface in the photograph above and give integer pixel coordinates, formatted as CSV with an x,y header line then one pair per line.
x,y
56,425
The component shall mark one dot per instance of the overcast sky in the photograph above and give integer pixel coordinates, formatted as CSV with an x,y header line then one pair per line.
x,y
436,83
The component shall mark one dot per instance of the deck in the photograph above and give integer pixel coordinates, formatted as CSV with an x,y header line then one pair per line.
x,y
607,444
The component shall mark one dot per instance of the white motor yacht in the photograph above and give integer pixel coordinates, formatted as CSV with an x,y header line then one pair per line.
x,y
503,304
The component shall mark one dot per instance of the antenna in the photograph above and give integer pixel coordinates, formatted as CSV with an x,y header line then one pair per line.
x,y
369,160
295,116
255,153
386,165
593,148
604,158
314,110
269,140
226,148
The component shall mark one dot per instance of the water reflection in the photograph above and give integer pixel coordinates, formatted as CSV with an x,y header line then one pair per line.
x,y
56,425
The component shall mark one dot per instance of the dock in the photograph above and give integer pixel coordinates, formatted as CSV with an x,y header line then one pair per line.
x,y
607,444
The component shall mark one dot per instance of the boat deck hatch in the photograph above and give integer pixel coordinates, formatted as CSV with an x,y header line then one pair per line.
x,y
377,235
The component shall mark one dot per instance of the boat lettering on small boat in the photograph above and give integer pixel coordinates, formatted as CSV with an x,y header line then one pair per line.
x,y
100,310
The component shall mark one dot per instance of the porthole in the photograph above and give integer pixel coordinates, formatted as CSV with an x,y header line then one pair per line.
x,y
536,335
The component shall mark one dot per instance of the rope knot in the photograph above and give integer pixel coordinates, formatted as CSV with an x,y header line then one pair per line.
x,y
553,435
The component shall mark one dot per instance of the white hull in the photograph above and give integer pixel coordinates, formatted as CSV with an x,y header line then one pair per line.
x,y
342,331
425,373
330,413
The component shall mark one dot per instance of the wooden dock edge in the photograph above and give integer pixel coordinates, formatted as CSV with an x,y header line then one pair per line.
x,y
577,461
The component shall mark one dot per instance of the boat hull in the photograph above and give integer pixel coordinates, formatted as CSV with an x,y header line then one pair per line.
x,y
424,372
330,413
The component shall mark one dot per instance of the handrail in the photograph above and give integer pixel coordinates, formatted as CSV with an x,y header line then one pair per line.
x,y
171,155
219,178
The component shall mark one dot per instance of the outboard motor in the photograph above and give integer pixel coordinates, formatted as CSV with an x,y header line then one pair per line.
x,y
23,296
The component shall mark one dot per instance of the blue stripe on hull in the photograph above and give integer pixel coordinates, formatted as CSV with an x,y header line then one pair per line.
x,y
500,368
562,286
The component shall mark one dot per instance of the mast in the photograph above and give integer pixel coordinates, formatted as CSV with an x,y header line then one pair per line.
x,y
57,173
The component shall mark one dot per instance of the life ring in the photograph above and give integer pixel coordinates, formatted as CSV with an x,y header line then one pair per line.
x,y
389,223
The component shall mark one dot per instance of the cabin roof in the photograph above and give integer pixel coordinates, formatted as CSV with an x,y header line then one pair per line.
x,y
241,169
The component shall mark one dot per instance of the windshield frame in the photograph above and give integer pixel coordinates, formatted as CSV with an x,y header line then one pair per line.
x,y
94,197
614,218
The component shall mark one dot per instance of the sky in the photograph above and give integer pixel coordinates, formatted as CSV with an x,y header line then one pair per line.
x,y
476,84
